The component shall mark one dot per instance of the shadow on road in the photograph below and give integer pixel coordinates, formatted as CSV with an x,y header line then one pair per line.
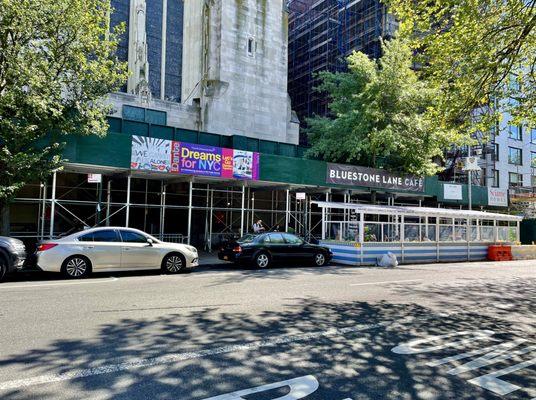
x,y
358,364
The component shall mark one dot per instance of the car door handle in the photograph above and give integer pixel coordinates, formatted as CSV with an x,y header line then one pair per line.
x,y
126,248
89,247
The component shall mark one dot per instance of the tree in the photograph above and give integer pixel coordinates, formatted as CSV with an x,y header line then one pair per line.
x,y
481,53
381,114
57,62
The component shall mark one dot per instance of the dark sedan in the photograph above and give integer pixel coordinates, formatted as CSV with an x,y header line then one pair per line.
x,y
265,249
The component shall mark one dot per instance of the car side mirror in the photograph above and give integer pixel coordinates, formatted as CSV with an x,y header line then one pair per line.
x,y
150,241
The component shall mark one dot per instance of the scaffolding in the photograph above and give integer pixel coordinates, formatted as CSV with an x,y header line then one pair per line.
x,y
322,33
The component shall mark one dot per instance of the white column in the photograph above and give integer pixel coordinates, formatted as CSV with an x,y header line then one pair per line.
x,y
242,212
128,202
191,187
108,201
210,219
518,233
287,211
43,209
53,205
361,228
163,188
323,223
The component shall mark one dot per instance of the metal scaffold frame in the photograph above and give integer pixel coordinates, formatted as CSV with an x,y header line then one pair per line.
x,y
172,210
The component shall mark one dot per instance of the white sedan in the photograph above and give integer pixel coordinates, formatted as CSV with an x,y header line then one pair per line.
x,y
113,249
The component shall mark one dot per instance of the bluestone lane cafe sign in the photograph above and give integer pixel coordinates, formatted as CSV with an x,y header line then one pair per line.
x,y
351,175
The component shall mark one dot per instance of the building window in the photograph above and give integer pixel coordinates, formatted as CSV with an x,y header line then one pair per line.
x,y
514,156
515,132
496,149
533,180
533,135
533,159
515,179
495,182
251,47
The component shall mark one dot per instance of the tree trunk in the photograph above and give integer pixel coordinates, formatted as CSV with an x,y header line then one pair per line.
x,y
4,219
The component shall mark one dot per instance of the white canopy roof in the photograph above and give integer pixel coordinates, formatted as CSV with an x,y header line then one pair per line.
x,y
417,211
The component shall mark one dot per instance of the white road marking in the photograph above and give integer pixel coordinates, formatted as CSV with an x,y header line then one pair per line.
x,y
385,282
178,357
299,388
91,282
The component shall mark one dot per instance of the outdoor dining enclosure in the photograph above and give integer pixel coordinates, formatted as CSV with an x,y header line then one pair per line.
x,y
360,233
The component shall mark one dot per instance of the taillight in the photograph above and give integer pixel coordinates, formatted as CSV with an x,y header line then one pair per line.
x,y
237,249
46,246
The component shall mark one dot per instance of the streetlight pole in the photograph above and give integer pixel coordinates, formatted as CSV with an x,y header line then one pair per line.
x,y
469,182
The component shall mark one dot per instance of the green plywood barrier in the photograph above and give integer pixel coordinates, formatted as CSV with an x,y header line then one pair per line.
x,y
253,144
209,139
115,124
161,132
135,128
114,151
186,135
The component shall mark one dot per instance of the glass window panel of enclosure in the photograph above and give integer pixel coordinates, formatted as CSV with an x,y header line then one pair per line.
x,y
445,233
412,232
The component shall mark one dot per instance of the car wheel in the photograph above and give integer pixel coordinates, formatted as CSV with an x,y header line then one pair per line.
x,y
76,267
262,260
174,263
3,268
320,259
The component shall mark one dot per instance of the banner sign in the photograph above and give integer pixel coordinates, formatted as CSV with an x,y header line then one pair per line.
x,y
150,154
497,197
377,178
452,192
94,178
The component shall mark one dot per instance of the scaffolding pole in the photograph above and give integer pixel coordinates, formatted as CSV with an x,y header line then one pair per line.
x,y
127,219
163,189
53,205
43,211
191,187
242,212
108,200
287,211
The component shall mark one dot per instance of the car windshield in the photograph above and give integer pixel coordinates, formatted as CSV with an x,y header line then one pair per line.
x,y
247,239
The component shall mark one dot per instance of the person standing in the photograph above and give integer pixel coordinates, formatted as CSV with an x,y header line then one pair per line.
x,y
258,227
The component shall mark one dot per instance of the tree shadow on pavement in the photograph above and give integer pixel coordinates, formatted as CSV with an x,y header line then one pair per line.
x,y
354,362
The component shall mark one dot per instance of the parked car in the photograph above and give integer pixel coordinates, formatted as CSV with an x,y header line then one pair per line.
x,y
12,255
265,249
113,249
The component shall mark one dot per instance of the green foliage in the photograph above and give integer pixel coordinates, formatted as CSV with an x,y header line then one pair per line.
x,y
382,115
479,52
57,62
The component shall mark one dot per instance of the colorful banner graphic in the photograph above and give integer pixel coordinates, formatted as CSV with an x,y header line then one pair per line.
x,y
151,154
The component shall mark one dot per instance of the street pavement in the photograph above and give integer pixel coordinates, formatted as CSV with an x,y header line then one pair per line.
x,y
444,331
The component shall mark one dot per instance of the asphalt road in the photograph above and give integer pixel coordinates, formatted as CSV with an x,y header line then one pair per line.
x,y
330,333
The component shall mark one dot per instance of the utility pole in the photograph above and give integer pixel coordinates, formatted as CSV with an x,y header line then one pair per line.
x,y
469,182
